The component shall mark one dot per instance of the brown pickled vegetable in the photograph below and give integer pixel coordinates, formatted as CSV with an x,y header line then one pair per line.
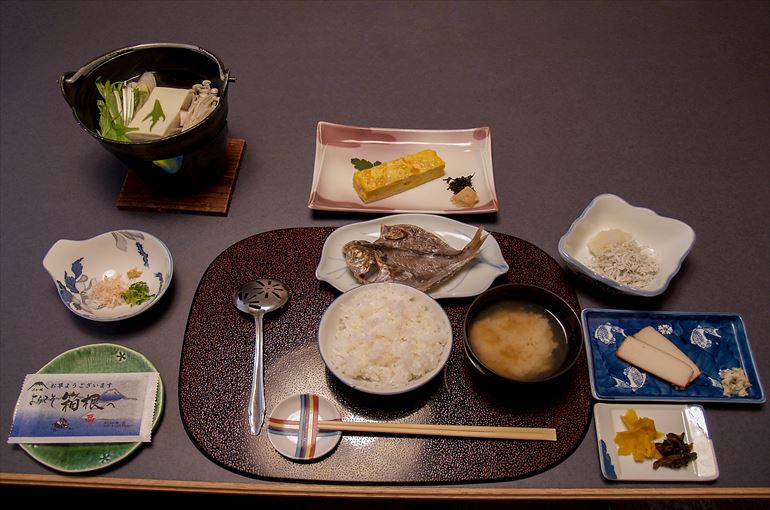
x,y
675,451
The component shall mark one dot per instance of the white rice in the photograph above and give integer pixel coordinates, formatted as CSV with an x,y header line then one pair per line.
x,y
388,336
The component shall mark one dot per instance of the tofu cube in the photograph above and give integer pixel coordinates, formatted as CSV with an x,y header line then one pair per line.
x,y
172,102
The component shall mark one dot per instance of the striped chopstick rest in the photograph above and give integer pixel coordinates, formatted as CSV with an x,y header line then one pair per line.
x,y
306,429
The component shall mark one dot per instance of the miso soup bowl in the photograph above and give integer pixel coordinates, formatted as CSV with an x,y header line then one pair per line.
x,y
565,316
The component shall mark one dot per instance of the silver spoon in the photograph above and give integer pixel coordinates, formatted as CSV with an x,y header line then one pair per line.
x,y
258,298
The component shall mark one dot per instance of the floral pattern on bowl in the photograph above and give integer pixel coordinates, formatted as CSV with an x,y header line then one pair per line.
x,y
667,239
76,266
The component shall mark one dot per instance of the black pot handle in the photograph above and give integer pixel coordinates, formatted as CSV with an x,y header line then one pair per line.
x,y
67,81
100,60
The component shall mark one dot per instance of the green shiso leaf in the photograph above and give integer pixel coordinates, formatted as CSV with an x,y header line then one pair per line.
x,y
362,164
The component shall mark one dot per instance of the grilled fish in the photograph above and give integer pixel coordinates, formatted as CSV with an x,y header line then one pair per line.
x,y
409,255
412,237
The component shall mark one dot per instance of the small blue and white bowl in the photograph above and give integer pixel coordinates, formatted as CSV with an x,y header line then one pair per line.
x,y
76,266
667,239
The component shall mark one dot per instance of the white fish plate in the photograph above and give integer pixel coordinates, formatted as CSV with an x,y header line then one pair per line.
x,y
472,280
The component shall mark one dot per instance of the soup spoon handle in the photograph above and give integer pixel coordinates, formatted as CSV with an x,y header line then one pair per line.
x,y
257,398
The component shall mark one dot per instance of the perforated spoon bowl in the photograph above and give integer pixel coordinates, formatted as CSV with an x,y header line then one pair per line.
x,y
258,298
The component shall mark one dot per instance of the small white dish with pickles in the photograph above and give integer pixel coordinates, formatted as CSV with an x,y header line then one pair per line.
x,y
676,419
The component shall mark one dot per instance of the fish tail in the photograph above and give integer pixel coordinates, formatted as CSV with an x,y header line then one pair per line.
x,y
478,240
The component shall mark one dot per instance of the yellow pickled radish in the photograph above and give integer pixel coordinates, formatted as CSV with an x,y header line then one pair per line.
x,y
639,439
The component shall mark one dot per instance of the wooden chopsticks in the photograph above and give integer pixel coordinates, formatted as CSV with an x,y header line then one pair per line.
x,y
417,429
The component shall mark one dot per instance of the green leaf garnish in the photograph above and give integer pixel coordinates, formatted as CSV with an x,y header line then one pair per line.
x,y
136,294
362,164
155,114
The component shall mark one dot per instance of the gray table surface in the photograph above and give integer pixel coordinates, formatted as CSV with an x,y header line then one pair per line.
x,y
664,104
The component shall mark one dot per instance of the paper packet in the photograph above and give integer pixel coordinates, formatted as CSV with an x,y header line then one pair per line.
x,y
85,408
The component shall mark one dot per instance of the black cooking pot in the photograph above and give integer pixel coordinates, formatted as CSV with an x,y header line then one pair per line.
x,y
181,163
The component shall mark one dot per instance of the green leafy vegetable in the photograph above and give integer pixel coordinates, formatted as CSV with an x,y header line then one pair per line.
x,y
155,114
362,164
136,294
110,122
140,95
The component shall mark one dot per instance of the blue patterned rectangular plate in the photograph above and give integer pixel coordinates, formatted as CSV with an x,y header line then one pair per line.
x,y
668,418
713,341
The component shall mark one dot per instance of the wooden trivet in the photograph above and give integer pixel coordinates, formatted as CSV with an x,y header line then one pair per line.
x,y
214,200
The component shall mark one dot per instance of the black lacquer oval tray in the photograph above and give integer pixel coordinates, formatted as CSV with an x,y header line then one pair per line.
x,y
216,366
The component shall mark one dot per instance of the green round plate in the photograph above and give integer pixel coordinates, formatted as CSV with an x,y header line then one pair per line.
x,y
97,358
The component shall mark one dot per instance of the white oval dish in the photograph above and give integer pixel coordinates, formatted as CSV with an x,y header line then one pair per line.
x,y
75,266
344,305
473,279
670,241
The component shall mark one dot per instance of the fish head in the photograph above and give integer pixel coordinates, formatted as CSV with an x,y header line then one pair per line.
x,y
360,256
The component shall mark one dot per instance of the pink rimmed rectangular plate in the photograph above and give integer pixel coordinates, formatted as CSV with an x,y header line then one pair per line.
x,y
465,151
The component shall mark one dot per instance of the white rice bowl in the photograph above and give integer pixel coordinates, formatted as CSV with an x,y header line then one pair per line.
x,y
385,338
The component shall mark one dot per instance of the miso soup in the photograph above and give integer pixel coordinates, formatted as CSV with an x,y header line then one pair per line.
x,y
518,340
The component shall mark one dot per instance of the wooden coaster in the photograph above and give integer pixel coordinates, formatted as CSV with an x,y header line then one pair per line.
x,y
214,200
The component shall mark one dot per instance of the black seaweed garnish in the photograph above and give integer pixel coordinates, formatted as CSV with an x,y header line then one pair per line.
x,y
457,184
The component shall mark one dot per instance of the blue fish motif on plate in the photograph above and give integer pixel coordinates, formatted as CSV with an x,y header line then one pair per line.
x,y
634,380
714,342
606,333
